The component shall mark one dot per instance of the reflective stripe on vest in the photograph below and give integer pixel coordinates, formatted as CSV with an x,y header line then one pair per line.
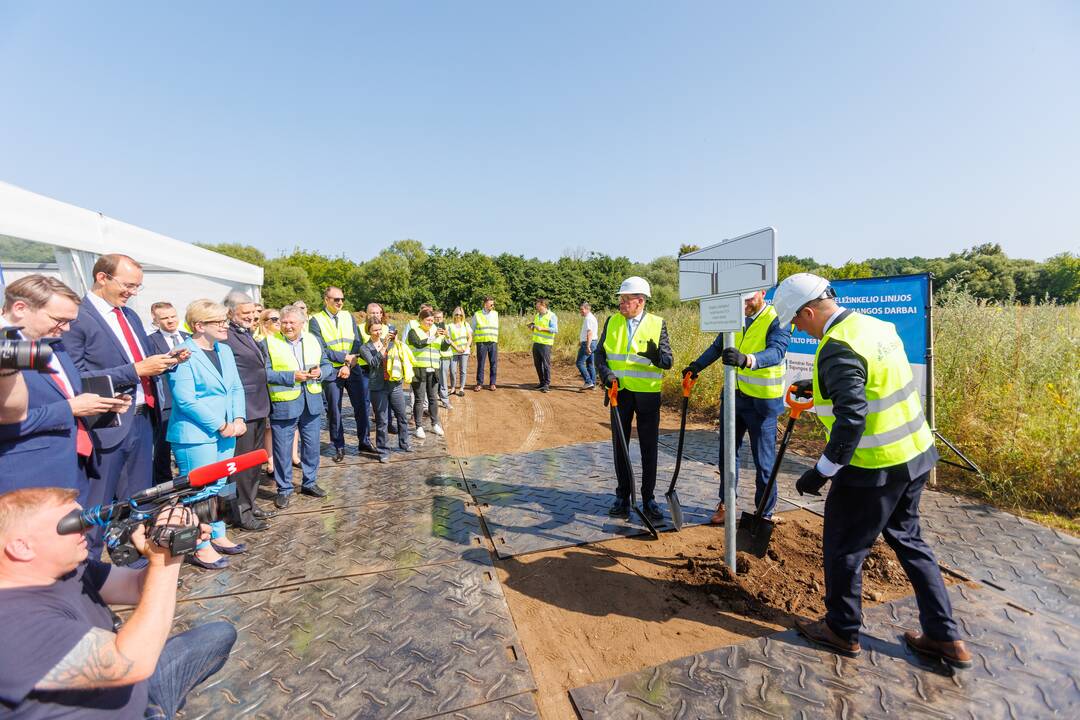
x,y
765,383
445,353
543,322
282,359
459,336
338,336
896,430
424,356
364,340
399,363
635,372
487,329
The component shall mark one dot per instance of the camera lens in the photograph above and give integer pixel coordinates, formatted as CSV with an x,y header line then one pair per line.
x,y
24,355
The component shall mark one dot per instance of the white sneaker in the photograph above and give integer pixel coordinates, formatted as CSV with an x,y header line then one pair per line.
x,y
437,429
419,432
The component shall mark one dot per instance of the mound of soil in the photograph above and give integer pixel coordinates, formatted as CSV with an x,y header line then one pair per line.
x,y
789,580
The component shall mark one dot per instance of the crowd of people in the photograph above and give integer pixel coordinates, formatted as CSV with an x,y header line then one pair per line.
x,y
118,407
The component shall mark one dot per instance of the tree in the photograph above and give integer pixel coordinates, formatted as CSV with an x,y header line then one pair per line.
x,y
687,248
16,250
247,253
1060,275
284,283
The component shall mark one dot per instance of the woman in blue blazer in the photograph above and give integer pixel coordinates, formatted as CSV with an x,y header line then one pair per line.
x,y
207,415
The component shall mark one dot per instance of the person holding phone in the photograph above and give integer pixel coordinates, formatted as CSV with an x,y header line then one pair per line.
x,y
167,339
389,367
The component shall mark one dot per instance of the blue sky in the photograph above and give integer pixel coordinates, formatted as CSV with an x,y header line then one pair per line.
x,y
857,129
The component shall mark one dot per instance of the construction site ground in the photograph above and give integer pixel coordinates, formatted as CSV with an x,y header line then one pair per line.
x,y
480,577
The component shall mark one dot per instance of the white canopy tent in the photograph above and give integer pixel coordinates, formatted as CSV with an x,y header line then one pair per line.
x,y
176,271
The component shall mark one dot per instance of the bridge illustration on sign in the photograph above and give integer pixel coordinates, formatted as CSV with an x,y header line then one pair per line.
x,y
740,265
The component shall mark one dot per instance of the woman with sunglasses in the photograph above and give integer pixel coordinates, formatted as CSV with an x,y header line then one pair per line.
x,y
460,333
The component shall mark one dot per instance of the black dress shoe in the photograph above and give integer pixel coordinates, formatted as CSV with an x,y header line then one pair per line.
x,y
219,564
653,510
255,525
369,449
620,508
339,455
262,514
281,501
237,549
313,491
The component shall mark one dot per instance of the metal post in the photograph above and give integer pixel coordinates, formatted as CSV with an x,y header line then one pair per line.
x,y
931,419
729,473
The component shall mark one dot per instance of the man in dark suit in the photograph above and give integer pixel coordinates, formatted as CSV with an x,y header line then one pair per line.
x,y
879,454
51,447
163,341
108,338
251,365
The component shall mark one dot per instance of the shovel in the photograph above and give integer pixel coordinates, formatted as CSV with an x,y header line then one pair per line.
x,y
672,496
613,398
798,399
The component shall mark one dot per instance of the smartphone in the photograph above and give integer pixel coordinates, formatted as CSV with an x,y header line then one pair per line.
x,y
313,368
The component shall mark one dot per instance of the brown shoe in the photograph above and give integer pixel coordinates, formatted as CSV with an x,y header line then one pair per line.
x,y
718,516
951,652
819,633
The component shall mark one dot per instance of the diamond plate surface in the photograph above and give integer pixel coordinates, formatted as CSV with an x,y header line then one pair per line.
x,y
559,497
1025,667
335,542
430,447
519,707
405,645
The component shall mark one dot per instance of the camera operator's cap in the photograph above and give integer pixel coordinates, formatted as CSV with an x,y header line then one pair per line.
x,y
635,285
794,292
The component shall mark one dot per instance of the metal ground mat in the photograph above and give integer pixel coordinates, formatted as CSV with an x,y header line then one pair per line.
x,y
1025,667
409,644
334,542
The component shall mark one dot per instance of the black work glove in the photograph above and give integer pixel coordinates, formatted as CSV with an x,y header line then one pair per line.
x,y
804,389
731,356
811,482
693,369
652,352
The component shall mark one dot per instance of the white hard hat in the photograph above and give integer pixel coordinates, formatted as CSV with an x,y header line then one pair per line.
x,y
635,286
794,292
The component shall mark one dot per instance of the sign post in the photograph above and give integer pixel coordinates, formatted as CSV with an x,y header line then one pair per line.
x,y
719,276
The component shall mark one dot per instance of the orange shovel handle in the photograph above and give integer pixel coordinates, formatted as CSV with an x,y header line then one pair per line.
x,y
613,393
688,381
797,406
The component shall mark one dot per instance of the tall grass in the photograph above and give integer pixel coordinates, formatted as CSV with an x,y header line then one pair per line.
x,y
1007,388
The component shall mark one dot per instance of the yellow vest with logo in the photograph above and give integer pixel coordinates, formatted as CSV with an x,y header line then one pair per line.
x,y
766,383
282,359
896,429
487,329
543,322
424,356
399,363
338,336
635,372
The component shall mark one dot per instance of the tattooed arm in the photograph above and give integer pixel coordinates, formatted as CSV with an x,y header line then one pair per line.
x,y
95,662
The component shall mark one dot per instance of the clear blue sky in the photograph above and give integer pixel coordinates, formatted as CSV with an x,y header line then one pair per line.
x,y
857,129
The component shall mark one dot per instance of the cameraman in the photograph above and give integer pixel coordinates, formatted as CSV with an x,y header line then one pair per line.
x,y
60,656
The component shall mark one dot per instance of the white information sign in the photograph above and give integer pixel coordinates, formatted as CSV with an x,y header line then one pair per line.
x,y
722,314
740,265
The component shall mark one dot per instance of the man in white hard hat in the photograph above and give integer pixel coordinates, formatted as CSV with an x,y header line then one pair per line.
x,y
879,455
759,356
634,349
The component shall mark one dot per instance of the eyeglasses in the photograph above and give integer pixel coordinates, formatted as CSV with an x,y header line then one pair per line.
x,y
274,319
130,287
336,299
219,323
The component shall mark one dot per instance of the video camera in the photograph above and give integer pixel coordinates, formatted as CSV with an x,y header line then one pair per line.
x,y
121,519
19,354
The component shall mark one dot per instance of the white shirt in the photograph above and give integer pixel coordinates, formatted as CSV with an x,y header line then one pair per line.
x,y
106,310
298,350
632,325
173,339
54,365
589,324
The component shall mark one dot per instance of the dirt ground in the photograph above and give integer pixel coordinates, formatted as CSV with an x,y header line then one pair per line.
x,y
516,418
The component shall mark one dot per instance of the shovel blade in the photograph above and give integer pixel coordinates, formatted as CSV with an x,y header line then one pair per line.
x,y
676,509
756,537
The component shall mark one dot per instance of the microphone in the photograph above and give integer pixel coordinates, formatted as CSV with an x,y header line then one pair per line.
x,y
78,520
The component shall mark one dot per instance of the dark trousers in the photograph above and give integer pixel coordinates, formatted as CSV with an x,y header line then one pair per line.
x,y
585,362
187,660
646,406
124,470
308,425
488,351
247,482
542,362
163,471
385,401
425,384
762,428
356,385
854,517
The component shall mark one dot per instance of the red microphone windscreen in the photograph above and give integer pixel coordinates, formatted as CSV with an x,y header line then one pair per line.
x,y
224,468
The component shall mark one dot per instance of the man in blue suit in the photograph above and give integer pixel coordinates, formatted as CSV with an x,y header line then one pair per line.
x,y
108,338
295,362
51,447
163,341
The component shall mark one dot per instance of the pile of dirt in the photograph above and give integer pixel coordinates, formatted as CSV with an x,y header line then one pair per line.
x,y
788,580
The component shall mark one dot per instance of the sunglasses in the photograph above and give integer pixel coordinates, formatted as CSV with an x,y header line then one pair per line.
x,y
274,318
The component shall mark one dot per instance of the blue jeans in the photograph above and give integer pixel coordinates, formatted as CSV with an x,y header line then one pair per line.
x,y
459,368
356,385
187,660
387,401
585,364
308,425
759,419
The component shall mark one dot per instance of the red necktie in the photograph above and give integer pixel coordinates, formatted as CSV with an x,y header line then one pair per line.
x,y
133,346
83,446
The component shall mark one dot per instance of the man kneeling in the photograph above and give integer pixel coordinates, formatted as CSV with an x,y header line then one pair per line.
x,y
60,655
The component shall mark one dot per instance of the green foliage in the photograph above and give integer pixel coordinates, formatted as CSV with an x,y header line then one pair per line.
x,y
16,250
247,253
1059,277
284,283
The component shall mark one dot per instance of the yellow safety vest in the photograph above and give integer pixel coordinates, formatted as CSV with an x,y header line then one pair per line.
x,y
399,363
459,336
445,353
635,372
424,356
338,336
364,340
487,329
896,429
543,322
766,383
282,359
